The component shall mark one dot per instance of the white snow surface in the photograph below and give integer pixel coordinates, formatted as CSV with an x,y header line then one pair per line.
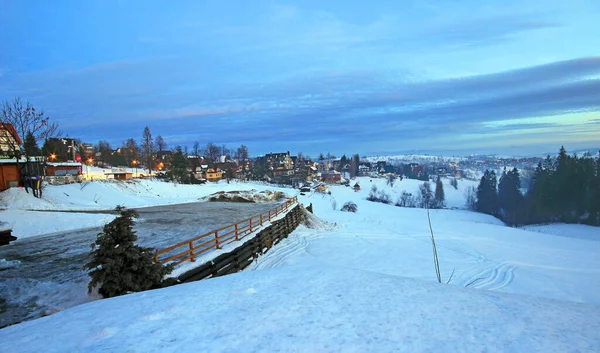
x,y
313,308
363,281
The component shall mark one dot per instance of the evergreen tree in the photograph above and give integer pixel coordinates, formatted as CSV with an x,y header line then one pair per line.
x,y
118,266
148,149
178,169
440,197
487,195
30,145
510,199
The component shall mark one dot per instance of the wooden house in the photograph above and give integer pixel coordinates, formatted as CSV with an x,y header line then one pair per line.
x,y
63,172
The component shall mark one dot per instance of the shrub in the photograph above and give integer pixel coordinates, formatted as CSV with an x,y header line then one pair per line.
x,y
383,197
349,207
118,266
406,200
372,194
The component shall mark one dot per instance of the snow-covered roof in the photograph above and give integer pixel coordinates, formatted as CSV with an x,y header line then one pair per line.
x,y
64,164
11,160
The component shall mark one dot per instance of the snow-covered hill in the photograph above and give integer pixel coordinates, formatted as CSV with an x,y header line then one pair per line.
x,y
365,282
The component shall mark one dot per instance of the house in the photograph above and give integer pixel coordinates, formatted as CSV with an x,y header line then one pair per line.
x,y
9,166
10,176
214,174
356,187
70,147
9,140
63,172
332,177
364,170
120,173
418,170
280,166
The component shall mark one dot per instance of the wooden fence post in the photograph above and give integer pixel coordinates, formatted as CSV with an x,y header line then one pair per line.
x,y
192,258
217,240
261,220
250,224
236,232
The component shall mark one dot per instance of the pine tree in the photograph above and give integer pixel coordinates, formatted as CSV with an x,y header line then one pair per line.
x,y
510,199
440,197
30,145
178,169
487,197
118,266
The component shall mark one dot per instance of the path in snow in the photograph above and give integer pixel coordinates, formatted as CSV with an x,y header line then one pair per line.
x,y
46,272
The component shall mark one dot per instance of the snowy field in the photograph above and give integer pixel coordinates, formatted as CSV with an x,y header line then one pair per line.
x,y
364,282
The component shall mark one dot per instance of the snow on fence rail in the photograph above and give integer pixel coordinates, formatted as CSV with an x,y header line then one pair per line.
x,y
188,250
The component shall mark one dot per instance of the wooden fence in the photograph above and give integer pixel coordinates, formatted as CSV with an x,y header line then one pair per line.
x,y
239,258
190,249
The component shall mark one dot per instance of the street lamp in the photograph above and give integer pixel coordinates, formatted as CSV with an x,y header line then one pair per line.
x,y
52,157
87,168
134,162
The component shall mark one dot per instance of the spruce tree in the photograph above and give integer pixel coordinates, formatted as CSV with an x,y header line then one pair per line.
x,y
30,145
440,197
118,266
487,197
178,169
510,199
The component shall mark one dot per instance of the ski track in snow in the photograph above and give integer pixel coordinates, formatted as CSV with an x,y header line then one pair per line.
x,y
495,278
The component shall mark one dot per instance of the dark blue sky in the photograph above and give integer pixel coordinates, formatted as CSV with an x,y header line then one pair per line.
x,y
311,76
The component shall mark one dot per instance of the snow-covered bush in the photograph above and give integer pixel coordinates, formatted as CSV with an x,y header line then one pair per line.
x,y
372,194
406,200
118,266
349,207
471,198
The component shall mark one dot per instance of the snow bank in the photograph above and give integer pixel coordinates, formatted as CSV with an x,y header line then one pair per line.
x,y
107,194
309,309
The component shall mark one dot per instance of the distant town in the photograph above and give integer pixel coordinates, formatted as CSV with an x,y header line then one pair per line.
x,y
67,160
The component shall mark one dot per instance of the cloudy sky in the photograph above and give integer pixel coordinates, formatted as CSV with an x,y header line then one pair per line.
x,y
373,77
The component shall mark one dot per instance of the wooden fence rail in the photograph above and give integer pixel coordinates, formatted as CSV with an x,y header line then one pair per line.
x,y
242,256
189,249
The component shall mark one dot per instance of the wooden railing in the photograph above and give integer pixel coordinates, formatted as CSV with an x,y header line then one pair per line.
x,y
190,249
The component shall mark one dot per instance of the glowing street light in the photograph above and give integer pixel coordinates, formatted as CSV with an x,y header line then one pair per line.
x,y
134,162
52,157
87,168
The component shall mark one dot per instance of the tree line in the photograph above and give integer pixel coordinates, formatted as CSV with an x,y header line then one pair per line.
x,y
565,189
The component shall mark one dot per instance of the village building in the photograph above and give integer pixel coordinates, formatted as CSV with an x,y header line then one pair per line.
x,y
120,173
331,177
9,166
364,170
63,172
213,174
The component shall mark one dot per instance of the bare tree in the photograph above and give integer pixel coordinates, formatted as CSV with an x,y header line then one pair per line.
x,y
161,145
242,154
196,149
147,148
212,152
131,151
19,118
